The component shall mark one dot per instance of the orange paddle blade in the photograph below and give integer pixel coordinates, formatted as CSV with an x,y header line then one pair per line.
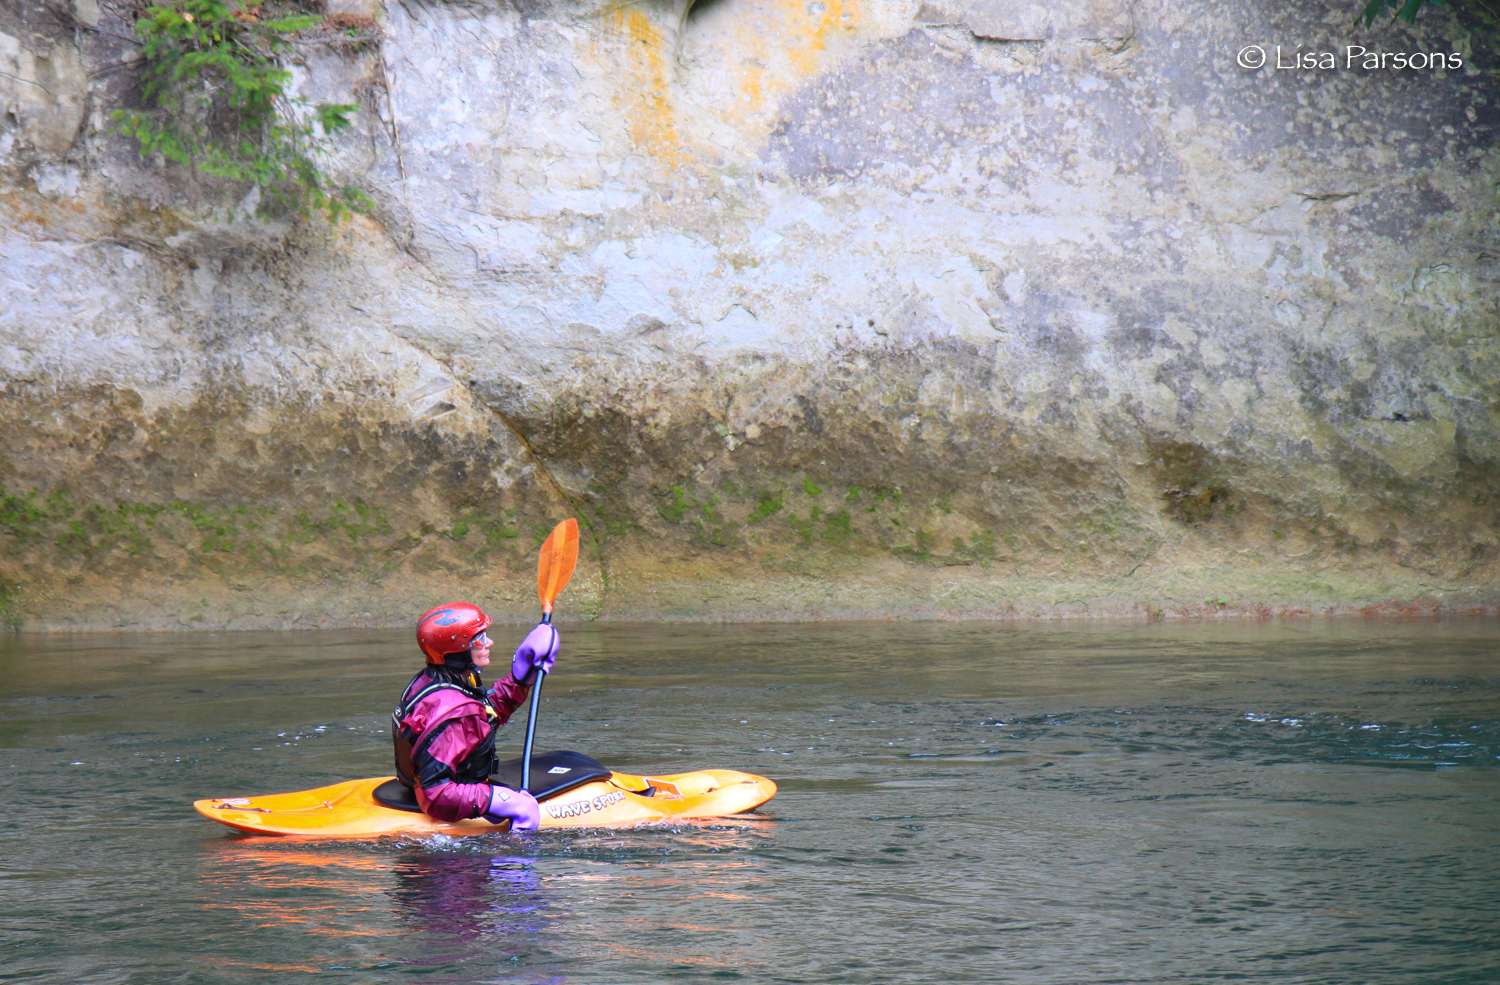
x,y
554,566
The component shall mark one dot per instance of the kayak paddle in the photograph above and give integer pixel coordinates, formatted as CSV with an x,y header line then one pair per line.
x,y
554,566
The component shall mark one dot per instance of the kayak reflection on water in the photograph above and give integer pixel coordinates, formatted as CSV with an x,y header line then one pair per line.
x,y
456,915
469,897
469,910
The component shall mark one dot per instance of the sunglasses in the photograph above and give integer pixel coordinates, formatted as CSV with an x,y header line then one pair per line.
x,y
482,639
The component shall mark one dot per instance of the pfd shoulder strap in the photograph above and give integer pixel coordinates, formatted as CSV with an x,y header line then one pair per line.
x,y
407,755
407,707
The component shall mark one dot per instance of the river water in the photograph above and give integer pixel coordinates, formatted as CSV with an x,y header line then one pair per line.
x,y
1307,802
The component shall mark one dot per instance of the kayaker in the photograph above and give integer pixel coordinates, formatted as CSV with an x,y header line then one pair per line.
x,y
444,728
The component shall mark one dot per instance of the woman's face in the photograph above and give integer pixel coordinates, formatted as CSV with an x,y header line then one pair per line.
x,y
479,650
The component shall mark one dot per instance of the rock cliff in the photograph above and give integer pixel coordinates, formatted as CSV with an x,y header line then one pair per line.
x,y
847,308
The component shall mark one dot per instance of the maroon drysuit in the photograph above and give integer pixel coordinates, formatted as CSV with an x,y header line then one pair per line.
x,y
452,737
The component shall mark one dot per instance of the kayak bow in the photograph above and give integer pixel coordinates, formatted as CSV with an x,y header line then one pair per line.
x,y
351,810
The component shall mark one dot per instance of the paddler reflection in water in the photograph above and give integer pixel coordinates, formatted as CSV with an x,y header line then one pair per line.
x,y
444,728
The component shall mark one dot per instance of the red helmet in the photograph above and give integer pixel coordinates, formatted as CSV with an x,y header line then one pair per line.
x,y
449,629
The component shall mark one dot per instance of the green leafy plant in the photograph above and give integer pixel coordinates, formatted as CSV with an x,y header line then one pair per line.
x,y
1407,11
10,607
1403,10
767,503
216,99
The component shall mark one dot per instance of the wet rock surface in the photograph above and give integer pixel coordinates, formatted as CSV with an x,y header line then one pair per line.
x,y
807,311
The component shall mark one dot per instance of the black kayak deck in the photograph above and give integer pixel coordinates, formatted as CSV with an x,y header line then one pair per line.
x,y
552,773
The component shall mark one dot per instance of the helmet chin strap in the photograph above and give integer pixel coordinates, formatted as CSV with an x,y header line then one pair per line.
x,y
460,670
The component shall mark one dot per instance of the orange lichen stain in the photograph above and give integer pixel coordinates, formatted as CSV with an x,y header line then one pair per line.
x,y
786,45
805,57
768,49
648,101
25,207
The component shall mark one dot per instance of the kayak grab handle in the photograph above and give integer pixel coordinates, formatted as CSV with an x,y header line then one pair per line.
x,y
665,788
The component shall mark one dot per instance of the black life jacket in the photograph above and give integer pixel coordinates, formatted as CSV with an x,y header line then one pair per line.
x,y
476,767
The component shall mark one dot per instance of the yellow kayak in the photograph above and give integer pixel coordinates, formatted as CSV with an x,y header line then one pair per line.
x,y
592,796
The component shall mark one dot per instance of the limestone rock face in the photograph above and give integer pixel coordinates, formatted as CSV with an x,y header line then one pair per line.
x,y
1024,20
43,90
843,308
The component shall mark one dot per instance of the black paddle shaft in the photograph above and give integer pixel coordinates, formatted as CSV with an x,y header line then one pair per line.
x,y
536,691
536,694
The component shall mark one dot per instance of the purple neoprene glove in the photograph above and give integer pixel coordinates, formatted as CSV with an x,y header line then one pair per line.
x,y
538,649
520,807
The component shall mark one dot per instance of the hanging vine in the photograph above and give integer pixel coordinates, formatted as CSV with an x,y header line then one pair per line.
x,y
215,98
